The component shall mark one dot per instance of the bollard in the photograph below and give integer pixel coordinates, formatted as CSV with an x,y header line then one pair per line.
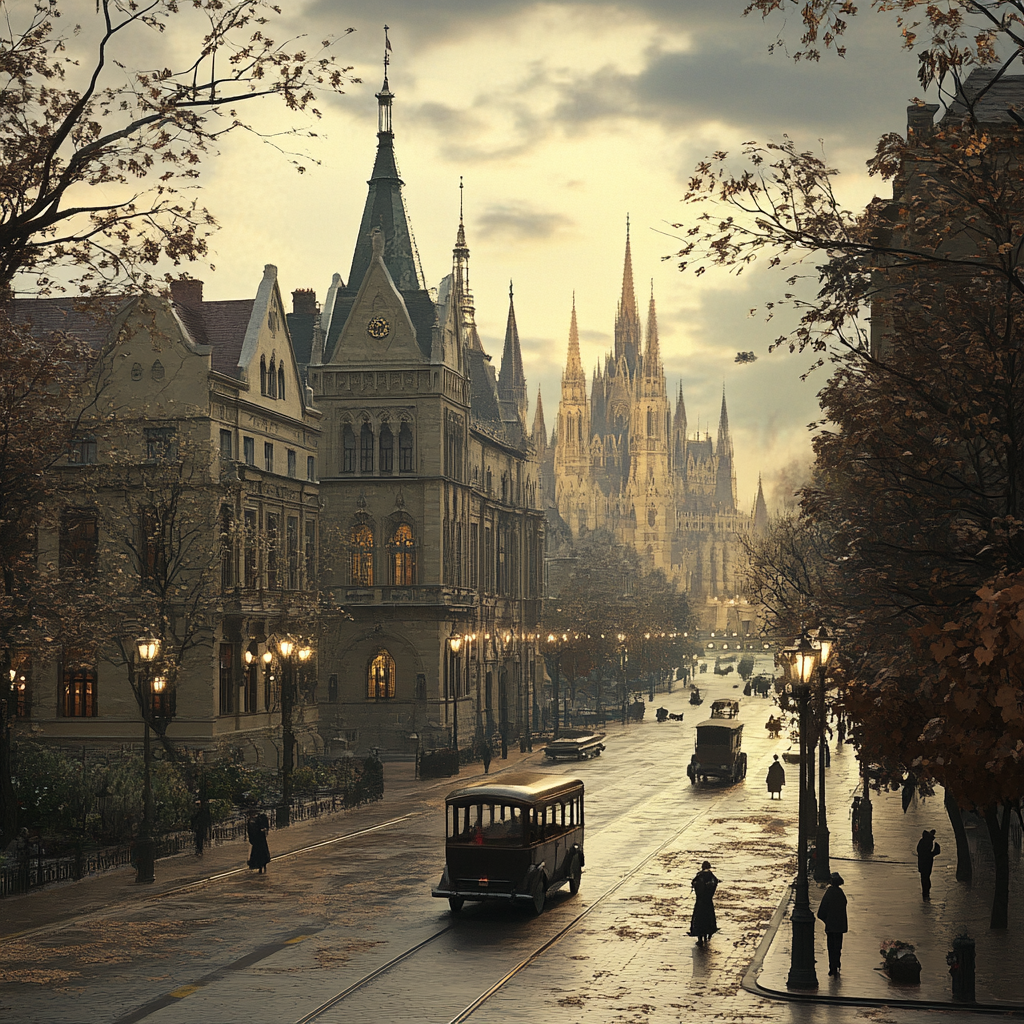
x,y
961,968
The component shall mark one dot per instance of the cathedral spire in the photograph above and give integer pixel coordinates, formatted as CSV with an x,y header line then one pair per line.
x,y
573,363
540,430
462,294
511,379
627,317
725,475
385,206
652,356
760,510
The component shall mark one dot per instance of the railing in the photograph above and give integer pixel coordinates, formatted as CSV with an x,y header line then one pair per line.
x,y
29,867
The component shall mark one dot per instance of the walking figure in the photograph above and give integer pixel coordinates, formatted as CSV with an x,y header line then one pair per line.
x,y
832,910
703,923
201,822
486,753
927,851
776,778
259,854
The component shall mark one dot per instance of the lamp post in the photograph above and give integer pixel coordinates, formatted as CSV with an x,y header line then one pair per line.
x,y
801,963
822,868
623,656
148,650
290,652
455,642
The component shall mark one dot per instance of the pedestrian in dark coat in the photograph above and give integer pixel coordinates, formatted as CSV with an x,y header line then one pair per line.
x,y
832,910
776,777
703,923
486,754
259,854
927,851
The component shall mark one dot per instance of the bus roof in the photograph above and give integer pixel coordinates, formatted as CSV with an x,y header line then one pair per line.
x,y
526,787
720,723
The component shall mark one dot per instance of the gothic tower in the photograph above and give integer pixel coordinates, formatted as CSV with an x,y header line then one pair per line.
x,y
511,380
572,454
725,475
627,317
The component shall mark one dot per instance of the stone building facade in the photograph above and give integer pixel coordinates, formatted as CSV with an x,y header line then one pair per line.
x,y
430,485
211,391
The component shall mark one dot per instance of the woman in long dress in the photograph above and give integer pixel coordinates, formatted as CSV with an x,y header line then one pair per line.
x,y
704,924
259,854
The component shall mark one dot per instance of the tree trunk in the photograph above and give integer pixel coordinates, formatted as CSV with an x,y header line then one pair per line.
x,y
999,833
964,866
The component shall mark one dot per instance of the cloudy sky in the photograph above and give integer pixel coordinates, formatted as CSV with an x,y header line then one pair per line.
x,y
562,118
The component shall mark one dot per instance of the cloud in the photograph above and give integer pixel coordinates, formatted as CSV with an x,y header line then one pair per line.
x,y
517,221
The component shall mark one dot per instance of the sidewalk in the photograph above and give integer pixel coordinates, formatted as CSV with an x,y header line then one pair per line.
x,y
884,893
54,906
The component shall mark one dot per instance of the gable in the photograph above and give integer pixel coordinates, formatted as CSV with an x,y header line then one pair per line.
x,y
378,328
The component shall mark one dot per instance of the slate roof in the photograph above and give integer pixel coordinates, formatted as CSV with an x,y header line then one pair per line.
x,y
993,105
221,325
90,322
300,327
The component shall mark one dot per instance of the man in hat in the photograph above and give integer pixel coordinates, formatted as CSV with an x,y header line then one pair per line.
x,y
927,851
776,778
832,910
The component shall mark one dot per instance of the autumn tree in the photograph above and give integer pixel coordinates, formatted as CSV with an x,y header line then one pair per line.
x,y
915,304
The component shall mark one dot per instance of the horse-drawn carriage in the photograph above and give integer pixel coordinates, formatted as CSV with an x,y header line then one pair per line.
x,y
725,709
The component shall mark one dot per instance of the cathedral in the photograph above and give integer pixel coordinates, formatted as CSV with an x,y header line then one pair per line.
x,y
622,460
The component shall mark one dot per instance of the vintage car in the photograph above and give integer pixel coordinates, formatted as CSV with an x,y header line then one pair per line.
x,y
725,708
717,753
575,745
513,838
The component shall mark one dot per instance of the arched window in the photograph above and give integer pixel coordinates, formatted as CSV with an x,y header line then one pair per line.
x,y
280,381
332,689
348,450
272,380
361,549
405,449
387,449
366,449
403,557
263,375
380,677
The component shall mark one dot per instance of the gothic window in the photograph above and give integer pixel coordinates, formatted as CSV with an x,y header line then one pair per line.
x,y
366,449
361,552
348,450
651,517
650,423
263,375
403,557
272,379
280,381
79,692
387,449
405,449
380,677
332,689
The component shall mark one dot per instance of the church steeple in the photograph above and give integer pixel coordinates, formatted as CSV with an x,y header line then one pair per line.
x,y
652,355
573,363
627,317
540,430
679,435
511,379
725,475
385,206
760,510
460,283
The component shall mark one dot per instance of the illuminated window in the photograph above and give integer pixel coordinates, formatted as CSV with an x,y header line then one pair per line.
x,y
403,557
380,679
80,692
361,548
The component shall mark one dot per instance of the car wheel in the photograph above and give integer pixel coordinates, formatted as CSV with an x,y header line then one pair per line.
x,y
540,894
575,874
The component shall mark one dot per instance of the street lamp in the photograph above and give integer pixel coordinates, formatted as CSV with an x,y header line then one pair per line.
x,y
822,868
623,657
801,962
148,650
289,651
455,642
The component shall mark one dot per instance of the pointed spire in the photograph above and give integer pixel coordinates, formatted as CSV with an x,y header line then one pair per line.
x,y
724,439
627,318
540,431
461,291
573,363
652,356
760,510
511,379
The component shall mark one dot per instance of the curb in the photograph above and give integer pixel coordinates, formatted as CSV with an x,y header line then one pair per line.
x,y
751,984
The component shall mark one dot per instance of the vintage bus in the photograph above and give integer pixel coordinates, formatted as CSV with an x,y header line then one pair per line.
x,y
515,837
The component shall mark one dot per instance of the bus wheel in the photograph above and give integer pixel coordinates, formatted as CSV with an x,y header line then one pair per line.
x,y
540,894
456,903
575,874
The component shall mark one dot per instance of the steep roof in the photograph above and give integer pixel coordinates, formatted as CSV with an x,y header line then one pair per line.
x,y
221,325
991,100
88,320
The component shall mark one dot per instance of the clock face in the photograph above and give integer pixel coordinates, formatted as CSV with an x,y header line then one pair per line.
x,y
378,327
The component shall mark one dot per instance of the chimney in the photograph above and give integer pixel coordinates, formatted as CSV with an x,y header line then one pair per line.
x,y
304,301
187,293
921,116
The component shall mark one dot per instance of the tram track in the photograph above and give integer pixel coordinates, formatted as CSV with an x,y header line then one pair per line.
x,y
463,1015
